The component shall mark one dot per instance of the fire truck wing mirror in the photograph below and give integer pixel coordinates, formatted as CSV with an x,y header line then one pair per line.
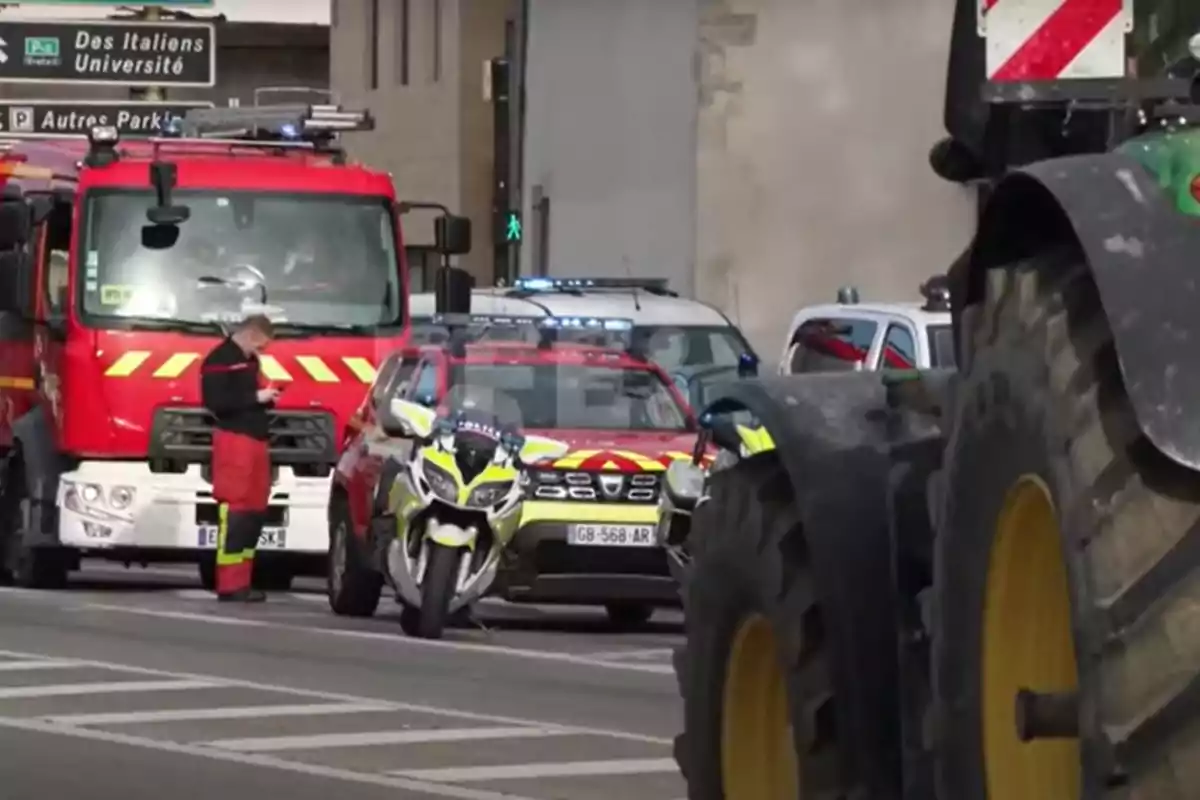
x,y
16,223
452,235
163,177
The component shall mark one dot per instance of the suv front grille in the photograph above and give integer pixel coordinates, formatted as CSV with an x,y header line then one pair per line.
x,y
601,487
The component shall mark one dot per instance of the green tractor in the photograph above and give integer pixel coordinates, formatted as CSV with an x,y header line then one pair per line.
x,y
985,584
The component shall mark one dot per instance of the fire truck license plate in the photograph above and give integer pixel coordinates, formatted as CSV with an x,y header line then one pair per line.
x,y
270,539
611,535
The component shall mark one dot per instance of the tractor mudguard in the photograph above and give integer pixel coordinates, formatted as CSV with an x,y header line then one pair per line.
x,y
832,434
1142,252
41,467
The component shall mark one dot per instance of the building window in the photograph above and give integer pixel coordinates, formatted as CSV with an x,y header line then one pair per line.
x,y
373,46
437,41
403,14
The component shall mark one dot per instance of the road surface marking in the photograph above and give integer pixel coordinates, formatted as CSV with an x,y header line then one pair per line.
x,y
259,760
322,741
56,663
231,712
396,639
338,697
613,655
70,689
506,772
189,616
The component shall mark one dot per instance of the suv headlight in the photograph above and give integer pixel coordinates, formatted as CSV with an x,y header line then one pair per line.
x,y
440,482
489,494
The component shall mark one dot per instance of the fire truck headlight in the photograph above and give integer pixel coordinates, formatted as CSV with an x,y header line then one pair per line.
x,y
121,497
90,493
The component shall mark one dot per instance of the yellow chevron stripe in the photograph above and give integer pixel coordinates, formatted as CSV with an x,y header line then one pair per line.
x,y
317,369
272,370
127,364
174,366
362,369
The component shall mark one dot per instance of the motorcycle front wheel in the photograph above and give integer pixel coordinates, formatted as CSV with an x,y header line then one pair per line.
x,y
437,590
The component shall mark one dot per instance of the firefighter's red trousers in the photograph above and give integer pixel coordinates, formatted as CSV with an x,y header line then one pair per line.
x,y
241,468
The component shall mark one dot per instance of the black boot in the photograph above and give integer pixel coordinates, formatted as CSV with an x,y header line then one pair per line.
x,y
243,596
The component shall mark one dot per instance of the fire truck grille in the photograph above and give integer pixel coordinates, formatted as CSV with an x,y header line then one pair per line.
x,y
601,487
296,437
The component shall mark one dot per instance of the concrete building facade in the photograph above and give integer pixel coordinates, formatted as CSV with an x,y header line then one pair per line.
x,y
757,153
418,65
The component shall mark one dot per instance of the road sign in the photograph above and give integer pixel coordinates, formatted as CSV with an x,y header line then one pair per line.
x,y
108,53
55,119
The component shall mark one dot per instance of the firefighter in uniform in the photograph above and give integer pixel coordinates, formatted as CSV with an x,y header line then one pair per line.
x,y
233,392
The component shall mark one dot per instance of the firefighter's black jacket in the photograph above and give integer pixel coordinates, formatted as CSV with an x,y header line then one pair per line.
x,y
229,390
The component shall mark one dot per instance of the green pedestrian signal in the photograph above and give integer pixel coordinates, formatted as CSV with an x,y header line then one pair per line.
x,y
512,230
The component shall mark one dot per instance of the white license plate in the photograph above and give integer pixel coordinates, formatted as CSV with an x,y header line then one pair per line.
x,y
611,535
270,539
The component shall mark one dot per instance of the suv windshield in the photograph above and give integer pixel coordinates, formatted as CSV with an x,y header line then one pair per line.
x,y
579,395
672,347
319,261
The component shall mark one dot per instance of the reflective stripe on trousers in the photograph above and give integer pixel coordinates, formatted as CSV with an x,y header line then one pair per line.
x,y
237,540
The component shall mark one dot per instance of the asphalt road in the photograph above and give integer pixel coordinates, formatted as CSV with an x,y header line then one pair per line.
x,y
135,684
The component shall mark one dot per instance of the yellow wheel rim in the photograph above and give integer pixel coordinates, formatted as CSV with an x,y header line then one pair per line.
x,y
758,753
1027,644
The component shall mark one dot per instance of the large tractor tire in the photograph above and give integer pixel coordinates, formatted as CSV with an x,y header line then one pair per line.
x,y
1067,563
755,671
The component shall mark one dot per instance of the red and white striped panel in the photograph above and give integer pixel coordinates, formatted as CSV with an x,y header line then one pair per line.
x,y
1045,40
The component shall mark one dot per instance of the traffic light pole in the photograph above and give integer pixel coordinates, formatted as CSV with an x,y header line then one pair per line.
x,y
515,44
153,93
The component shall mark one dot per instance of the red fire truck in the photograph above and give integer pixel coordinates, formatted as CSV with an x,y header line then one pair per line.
x,y
121,263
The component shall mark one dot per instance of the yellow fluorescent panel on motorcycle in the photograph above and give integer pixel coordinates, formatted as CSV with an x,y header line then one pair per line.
x,y
348,369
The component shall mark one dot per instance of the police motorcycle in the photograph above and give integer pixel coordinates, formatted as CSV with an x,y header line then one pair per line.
x,y
457,501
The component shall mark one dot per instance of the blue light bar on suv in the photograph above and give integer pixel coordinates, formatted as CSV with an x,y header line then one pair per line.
x,y
533,285
607,332
553,323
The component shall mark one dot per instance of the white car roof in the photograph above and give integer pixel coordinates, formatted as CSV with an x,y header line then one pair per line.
x,y
914,312
648,309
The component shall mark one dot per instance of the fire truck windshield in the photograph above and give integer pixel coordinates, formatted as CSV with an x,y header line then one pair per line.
x,y
309,262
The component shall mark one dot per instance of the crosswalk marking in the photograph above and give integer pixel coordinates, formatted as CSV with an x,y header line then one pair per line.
x,y
560,769
208,681
230,712
322,741
421,788
72,689
19,666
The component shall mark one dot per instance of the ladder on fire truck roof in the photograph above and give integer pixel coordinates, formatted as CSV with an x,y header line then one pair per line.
x,y
275,127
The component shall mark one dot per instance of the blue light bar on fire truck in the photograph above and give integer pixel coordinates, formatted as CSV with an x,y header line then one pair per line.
x,y
291,122
532,285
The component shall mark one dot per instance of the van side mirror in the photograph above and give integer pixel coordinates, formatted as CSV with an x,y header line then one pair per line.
x,y
452,235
